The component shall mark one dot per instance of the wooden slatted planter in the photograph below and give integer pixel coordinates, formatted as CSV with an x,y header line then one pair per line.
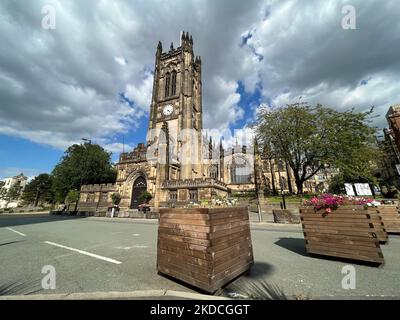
x,y
379,226
345,233
390,217
205,247
377,221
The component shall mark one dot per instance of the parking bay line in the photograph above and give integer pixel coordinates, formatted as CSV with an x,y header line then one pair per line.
x,y
13,230
84,252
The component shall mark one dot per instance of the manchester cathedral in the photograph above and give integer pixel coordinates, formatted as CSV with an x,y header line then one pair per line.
x,y
179,164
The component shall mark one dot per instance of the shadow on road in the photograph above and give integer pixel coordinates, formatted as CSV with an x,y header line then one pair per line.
x,y
10,242
20,287
259,270
20,219
253,283
295,245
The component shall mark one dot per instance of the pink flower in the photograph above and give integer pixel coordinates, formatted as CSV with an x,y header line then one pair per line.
x,y
328,210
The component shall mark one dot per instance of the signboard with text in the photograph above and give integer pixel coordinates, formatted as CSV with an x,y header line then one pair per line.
x,y
349,189
363,189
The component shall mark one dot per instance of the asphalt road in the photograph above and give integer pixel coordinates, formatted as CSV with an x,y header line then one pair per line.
x,y
100,254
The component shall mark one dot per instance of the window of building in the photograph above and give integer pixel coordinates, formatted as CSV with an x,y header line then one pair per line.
x,y
214,172
167,84
283,183
173,195
281,166
193,195
241,170
173,84
194,117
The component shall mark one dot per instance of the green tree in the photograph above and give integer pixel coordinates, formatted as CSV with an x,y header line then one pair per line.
x,y
116,198
39,190
82,164
72,196
313,138
145,197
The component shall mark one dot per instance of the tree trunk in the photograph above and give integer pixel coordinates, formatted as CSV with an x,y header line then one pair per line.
x,y
299,185
272,177
289,178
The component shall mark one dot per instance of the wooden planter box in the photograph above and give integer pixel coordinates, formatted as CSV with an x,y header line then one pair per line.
x,y
206,248
390,217
345,233
379,226
284,216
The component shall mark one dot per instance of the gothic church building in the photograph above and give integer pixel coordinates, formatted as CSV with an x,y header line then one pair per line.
x,y
178,164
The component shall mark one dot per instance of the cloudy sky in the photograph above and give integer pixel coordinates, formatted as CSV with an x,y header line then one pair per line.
x,y
91,76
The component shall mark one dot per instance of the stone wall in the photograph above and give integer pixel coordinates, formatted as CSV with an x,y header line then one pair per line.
x,y
96,197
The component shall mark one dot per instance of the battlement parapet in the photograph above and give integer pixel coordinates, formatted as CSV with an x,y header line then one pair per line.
x,y
98,187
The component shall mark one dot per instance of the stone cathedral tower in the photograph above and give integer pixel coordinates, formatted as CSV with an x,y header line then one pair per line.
x,y
176,109
175,165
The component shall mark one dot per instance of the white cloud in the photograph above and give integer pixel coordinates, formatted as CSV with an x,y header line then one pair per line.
x,y
141,93
117,147
307,54
61,85
225,99
121,61
12,171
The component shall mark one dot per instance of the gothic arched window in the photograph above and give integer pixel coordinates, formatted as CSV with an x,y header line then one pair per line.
x,y
241,170
283,183
214,172
173,84
280,166
167,84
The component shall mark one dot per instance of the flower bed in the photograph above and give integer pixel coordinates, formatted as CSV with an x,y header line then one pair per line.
x,y
343,227
328,203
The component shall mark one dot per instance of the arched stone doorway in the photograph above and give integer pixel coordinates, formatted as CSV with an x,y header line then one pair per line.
x,y
139,186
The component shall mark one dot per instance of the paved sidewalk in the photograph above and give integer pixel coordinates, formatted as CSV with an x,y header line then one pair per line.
x,y
116,295
102,255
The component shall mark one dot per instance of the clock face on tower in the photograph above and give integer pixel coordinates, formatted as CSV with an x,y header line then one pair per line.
x,y
168,109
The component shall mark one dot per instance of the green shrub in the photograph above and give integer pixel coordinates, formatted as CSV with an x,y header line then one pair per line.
x,y
116,198
145,197
72,196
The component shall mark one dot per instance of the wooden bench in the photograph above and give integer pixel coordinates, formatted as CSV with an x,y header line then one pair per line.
x,y
390,217
345,233
204,247
284,216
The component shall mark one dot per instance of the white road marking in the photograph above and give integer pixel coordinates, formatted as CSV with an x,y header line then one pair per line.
x,y
136,234
20,233
132,247
84,252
